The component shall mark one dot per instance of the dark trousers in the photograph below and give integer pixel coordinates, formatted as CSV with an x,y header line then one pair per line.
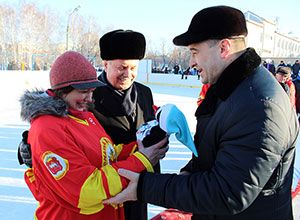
x,y
135,210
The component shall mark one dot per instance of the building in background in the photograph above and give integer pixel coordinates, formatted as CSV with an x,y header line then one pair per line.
x,y
268,41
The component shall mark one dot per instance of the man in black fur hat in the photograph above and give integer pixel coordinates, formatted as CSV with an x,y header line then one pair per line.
x,y
245,135
123,105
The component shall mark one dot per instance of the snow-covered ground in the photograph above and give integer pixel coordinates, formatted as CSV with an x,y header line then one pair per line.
x,y
16,201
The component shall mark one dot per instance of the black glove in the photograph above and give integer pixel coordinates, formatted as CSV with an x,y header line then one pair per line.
x,y
156,135
24,151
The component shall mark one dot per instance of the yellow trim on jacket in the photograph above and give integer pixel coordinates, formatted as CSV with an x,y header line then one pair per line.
x,y
113,180
145,161
81,121
91,192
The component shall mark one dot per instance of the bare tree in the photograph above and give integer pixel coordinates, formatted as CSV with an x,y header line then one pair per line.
x,y
36,31
180,56
163,50
34,37
88,41
8,40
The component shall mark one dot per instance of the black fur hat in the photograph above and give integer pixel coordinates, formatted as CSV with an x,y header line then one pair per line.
x,y
213,23
122,44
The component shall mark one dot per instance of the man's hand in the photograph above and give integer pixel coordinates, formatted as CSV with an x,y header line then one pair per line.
x,y
128,194
24,151
154,152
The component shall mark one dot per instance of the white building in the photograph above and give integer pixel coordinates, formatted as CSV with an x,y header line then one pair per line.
x,y
264,36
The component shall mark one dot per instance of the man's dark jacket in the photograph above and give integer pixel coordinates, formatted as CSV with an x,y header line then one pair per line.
x,y
245,137
121,113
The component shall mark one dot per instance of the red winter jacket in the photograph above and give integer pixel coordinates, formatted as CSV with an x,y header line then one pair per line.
x,y
75,165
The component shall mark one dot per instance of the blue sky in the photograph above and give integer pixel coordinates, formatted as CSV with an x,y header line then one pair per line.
x,y
162,20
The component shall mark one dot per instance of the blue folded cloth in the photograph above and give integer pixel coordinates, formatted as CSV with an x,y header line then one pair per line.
x,y
171,120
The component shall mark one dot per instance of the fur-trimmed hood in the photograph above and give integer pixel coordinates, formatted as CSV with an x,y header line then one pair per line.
x,y
35,103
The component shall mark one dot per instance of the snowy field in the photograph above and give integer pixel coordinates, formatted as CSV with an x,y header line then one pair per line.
x,y
16,201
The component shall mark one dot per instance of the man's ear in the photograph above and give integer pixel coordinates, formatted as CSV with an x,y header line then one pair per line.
x,y
225,46
105,63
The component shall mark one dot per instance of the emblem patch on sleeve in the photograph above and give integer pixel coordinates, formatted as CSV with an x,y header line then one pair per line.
x,y
108,151
56,165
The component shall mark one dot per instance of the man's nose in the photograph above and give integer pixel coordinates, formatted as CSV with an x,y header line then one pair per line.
x,y
126,72
192,62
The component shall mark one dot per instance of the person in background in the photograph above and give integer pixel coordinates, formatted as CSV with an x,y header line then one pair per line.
x,y
176,69
74,160
185,73
245,134
297,88
270,65
281,64
198,75
295,69
283,76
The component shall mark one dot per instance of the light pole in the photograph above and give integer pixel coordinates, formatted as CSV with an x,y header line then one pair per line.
x,y
68,26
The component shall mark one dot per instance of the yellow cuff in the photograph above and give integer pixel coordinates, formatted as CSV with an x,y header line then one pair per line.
x,y
145,161
30,174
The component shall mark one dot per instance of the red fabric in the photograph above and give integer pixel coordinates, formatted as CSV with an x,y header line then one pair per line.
x,y
173,214
202,94
65,152
155,108
291,85
296,191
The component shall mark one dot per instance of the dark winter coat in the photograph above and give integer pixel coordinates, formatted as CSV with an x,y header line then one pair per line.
x,y
121,114
296,68
121,118
270,67
245,137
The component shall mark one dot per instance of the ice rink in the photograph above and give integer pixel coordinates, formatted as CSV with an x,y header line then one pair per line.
x,y
16,201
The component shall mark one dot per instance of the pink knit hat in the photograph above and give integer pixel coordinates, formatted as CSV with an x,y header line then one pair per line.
x,y
73,69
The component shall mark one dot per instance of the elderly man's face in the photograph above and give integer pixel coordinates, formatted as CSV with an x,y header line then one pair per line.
x,y
121,73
